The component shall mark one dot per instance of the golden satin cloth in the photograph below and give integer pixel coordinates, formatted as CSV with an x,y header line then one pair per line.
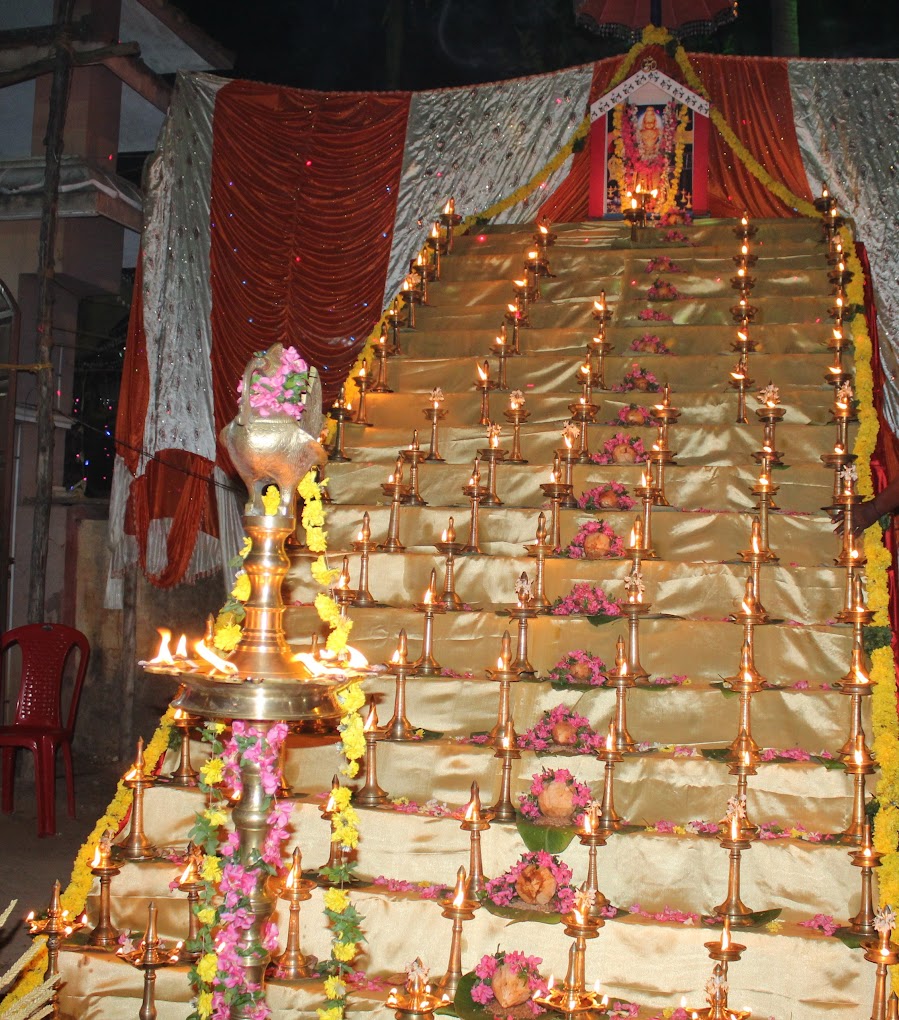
x,y
697,581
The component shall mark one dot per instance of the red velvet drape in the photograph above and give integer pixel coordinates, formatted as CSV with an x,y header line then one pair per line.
x,y
753,95
134,394
176,484
304,190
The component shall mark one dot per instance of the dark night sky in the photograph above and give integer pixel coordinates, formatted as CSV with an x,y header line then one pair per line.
x,y
415,44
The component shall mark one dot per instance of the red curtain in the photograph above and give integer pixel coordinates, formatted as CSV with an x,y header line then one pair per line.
x,y
753,95
304,190
134,394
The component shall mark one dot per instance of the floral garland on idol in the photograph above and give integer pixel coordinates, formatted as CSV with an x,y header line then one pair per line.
x,y
74,898
665,169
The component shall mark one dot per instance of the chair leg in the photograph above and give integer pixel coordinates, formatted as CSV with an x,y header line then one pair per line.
x,y
70,777
9,776
45,784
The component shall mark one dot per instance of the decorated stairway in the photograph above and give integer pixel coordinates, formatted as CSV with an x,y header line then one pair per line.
x,y
665,870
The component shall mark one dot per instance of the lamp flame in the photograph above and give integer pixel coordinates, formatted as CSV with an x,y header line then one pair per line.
x,y
216,661
164,655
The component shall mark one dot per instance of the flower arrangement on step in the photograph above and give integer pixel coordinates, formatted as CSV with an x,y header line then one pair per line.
x,y
637,378
594,540
662,264
509,980
580,668
611,496
649,343
586,599
283,391
620,449
654,315
662,290
559,729
675,216
538,881
634,415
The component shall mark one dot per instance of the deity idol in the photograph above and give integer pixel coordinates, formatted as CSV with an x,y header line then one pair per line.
x,y
649,135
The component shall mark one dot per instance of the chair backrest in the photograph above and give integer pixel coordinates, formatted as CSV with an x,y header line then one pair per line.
x,y
45,647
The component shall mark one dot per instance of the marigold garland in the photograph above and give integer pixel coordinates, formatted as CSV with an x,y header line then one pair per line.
x,y
885,722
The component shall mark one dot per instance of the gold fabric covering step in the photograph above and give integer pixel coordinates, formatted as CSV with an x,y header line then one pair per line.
x,y
787,971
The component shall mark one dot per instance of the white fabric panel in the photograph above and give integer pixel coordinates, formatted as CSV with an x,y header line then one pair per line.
x,y
176,303
479,144
177,295
847,123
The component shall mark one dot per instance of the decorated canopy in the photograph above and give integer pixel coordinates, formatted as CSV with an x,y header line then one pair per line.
x,y
287,215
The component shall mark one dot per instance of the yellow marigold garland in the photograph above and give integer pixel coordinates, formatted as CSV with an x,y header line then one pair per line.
x,y
885,722
76,892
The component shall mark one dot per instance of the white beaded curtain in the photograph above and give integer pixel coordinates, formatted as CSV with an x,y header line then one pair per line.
x,y
847,124
480,144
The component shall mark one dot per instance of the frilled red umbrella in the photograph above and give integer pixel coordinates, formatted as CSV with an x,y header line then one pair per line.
x,y
627,18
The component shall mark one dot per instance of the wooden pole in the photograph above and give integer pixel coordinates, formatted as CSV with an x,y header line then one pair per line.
x,y
53,145
128,728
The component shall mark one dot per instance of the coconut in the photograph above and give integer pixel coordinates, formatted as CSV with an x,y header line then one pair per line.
x,y
597,545
509,987
535,885
556,801
623,454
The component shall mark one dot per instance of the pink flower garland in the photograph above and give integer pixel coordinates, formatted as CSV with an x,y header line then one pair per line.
x,y
424,890
245,745
668,915
587,600
541,737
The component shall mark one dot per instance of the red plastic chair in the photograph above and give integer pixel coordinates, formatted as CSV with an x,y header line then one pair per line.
x,y
37,725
